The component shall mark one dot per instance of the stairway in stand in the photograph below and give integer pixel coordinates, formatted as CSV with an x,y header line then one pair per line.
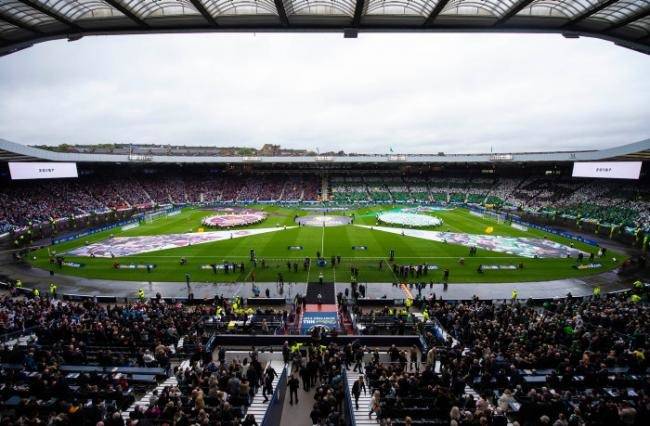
x,y
324,189
361,415
144,401
471,392
258,407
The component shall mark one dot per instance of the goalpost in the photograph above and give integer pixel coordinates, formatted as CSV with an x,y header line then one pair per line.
x,y
150,217
498,217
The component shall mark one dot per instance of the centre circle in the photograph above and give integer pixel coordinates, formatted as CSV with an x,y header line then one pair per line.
x,y
323,220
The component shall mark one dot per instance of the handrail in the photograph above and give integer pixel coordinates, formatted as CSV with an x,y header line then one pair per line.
x,y
349,412
274,409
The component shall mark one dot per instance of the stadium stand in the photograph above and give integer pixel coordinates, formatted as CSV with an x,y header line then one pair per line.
x,y
624,204
399,360
572,360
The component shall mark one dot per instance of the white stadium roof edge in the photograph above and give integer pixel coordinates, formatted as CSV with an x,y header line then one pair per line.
x,y
639,151
26,22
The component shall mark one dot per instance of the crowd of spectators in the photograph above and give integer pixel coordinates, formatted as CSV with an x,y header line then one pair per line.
x,y
85,362
22,203
570,361
139,334
321,367
211,390
573,361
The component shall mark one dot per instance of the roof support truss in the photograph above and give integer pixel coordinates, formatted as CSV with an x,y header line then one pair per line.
x,y
640,15
513,11
358,12
127,12
589,12
203,11
435,12
282,13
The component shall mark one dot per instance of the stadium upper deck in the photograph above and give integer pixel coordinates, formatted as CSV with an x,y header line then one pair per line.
x,y
25,22
10,151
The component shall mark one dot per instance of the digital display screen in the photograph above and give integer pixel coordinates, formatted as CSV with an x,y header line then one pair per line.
x,y
21,171
608,169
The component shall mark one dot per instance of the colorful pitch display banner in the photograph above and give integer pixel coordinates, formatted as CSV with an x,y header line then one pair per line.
x,y
127,246
96,230
608,169
21,171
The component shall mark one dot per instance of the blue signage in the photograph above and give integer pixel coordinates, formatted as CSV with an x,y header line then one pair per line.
x,y
328,320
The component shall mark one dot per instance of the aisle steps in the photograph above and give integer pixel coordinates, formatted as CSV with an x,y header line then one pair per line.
x,y
258,407
144,401
361,415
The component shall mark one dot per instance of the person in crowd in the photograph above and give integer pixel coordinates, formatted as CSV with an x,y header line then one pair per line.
x,y
359,385
294,385
269,375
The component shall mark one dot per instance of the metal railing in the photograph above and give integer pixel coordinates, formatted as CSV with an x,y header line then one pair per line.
x,y
349,412
274,410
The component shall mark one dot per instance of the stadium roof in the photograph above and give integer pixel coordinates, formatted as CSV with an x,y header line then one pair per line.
x,y
640,151
25,22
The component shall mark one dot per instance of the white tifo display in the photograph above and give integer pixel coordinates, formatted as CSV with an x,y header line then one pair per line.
x,y
608,169
42,170
408,219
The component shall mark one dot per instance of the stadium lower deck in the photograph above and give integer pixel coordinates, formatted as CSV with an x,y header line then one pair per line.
x,y
286,359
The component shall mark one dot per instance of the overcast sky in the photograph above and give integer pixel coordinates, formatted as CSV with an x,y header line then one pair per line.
x,y
414,93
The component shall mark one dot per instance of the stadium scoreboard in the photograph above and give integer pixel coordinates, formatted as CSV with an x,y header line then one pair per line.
x,y
607,169
31,170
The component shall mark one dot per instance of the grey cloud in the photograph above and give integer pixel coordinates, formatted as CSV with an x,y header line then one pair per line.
x,y
415,93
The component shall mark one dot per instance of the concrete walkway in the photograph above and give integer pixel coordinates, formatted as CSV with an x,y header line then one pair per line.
x,y
31,277
298,414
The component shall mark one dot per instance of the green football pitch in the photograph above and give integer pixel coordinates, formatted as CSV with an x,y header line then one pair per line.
x,y
273,248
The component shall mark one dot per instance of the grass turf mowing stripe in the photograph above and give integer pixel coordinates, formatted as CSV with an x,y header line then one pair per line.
x,y
338,241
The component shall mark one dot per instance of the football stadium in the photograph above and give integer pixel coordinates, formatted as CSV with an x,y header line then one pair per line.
x,y
216,283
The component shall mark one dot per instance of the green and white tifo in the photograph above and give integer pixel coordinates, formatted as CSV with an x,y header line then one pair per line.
x,y
280,246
